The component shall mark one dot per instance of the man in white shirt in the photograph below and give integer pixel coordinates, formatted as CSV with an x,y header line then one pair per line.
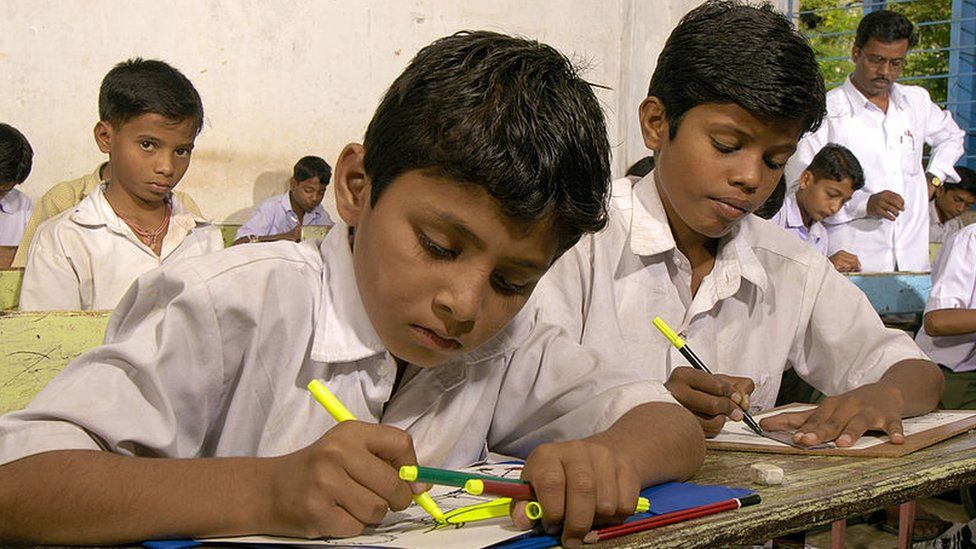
x,y
886,125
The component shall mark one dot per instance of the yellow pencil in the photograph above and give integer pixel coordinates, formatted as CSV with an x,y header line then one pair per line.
x,y
340,413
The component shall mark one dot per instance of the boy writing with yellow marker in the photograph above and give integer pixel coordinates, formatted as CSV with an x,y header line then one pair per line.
x,y
486,159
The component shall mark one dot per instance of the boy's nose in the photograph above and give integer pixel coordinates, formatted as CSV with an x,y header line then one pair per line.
x,y
164,165
463,297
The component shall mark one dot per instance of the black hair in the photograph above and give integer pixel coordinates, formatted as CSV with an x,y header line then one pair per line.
x,y
884,26
772,205
139,86
642,167
312,166
837,163
508,114
16,155
967,180
728,52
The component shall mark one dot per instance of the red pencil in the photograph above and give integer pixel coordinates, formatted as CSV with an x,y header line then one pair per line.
x,y
669,518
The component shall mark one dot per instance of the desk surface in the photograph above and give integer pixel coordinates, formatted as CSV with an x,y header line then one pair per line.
x,y
817,490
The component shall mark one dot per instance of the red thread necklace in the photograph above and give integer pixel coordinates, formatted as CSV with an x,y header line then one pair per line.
x,y
149,237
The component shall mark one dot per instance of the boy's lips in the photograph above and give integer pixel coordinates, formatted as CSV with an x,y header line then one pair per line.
x,y
732,208
430,338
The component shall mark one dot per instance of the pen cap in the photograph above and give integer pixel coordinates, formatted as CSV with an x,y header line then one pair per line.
x,y
666,330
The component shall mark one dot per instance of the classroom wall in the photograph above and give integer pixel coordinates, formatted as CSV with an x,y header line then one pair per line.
x,y
280,80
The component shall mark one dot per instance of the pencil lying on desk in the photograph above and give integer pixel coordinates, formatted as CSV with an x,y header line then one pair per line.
x,y
520,491
641,525
696,362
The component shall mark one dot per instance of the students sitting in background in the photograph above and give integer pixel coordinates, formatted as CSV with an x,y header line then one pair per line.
x,y
282,217
827,184
66,195
948,204
948,334
16,156
86,257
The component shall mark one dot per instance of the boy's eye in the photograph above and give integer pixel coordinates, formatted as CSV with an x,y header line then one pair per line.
x,y
146,145
183,152
434,250
722,147
774,165
506,287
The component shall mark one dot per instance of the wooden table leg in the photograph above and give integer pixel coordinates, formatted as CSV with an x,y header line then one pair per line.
x,y
906,524
838,532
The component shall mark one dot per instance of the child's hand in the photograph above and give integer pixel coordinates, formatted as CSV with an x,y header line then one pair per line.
x,y
579,484
845,262
711,397
342,482
844,418
295,234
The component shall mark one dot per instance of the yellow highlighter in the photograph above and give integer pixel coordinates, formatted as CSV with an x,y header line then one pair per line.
x,y
340,413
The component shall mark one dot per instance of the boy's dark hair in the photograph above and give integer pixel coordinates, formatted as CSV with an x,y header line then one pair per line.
x,y
508,114
16,155
312,166
140,86
775,201
728,52
837,163
967,180
884,26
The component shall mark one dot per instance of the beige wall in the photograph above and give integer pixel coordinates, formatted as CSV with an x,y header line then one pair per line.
x,y
283,79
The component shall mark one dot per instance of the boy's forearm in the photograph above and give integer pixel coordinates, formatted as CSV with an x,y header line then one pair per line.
x,y
664,441
950,322
102,498
919,382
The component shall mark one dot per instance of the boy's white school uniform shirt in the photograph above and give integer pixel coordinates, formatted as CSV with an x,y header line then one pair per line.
x,y
940,232
790,218
15,211
770,303
211,357
889,148
275,216
86,258
953,287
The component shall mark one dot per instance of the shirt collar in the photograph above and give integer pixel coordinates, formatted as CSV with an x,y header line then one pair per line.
x,y
650,234
311,218
794,219
5,203
859,102
94,210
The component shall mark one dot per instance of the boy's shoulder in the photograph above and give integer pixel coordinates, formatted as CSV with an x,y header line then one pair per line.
x,y
255,262
767,237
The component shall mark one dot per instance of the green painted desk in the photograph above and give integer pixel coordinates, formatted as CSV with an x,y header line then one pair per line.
x,y
895,293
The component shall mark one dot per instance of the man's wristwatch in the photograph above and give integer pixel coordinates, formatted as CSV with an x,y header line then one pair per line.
x,y
935,181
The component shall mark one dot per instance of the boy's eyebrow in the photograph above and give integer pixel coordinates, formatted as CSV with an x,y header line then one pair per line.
x,y
150,137
788,145
461,228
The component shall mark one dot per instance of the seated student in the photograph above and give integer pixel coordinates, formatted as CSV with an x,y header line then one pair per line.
x,y
282,217
485,160
16,156
828,182
86,257
750,299
948,334
66,195
949,203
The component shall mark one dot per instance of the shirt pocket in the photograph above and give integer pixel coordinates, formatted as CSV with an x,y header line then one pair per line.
x,y
911,154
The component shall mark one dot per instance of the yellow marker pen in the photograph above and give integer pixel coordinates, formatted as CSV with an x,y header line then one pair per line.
x,y
340,413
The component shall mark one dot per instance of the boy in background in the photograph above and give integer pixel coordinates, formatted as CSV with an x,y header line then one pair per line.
x,y
282,217
750,299
16,156
948,334
949,203
486,159
86,258
827,184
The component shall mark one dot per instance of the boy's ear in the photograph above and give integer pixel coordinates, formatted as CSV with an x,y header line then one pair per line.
x,y
806,178
103,136
352,187
654,123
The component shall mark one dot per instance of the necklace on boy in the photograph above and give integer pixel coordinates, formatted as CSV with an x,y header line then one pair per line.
x,y
149,237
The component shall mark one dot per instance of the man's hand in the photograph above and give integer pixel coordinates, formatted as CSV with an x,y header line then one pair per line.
x,y
845,418
711,397
845,262
580,484
886,204
340,483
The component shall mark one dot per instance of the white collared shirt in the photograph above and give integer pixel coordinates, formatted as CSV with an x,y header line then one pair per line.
x,y
275,216
940,232
770,303
953,287
85,258
889,148
211,357
15,211
790,218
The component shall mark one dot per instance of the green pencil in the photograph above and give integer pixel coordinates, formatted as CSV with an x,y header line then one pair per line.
x,y
445,477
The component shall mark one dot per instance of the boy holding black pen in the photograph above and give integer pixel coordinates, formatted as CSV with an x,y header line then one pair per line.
x,y
752,300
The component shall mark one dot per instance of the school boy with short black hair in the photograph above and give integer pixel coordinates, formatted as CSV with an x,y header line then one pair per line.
x,y
86,257
486,159
750,299
827,184
949,203
16,157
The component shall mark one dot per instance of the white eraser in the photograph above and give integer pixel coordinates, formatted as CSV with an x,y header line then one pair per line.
x,y
766,474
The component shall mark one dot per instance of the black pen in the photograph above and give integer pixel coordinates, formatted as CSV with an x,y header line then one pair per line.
x,y
696,362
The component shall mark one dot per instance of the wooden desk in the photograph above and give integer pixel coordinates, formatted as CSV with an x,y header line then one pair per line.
x,y
817,490
895,293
